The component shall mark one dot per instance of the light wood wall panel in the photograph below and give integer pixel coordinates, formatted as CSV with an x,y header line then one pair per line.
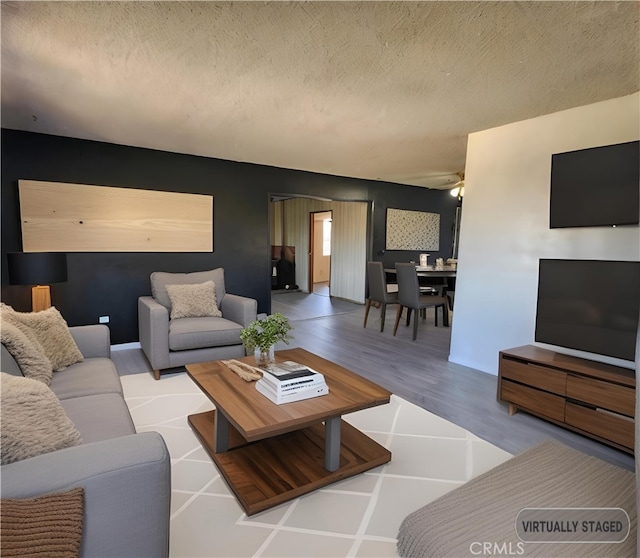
x,y
349,250
58,217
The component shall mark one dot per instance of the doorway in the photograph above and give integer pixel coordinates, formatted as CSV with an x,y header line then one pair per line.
x,y
320,252
290,226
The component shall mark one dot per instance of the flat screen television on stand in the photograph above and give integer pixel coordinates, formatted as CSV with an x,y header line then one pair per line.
x,y
589,305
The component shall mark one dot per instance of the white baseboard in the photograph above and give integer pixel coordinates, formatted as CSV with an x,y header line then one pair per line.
x,y
124,346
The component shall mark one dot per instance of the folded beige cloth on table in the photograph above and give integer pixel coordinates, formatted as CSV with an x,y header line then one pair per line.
x,y
247,372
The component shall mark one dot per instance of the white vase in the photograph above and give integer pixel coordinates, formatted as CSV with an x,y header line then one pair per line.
x,y
264,359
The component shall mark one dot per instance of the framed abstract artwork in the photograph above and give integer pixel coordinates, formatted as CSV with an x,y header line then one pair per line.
x,y
412,230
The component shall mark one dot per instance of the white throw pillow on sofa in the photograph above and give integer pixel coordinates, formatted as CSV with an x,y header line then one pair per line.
x,y
52,332
27,352
33,420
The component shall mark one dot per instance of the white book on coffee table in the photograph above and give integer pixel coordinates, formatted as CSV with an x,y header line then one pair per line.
x,y
296,394
289,374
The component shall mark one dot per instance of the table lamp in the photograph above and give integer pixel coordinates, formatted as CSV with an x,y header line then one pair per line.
x,y
37,268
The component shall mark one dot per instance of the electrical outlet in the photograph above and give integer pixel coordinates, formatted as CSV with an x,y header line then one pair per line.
x,y
104,319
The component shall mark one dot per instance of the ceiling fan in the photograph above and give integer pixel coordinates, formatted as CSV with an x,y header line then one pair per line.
x,y
458,187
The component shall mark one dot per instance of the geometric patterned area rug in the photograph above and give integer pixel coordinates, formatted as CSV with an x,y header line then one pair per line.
x,y
356,517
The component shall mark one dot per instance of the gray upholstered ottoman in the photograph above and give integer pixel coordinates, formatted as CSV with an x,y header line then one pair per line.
x,y
478,518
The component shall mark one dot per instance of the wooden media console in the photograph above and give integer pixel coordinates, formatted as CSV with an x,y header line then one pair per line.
x,y
592,398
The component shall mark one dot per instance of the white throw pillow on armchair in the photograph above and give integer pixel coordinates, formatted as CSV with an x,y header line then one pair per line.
x,y
193,301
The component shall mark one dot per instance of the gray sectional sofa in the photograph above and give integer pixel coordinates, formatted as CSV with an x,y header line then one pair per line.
x,y
126,476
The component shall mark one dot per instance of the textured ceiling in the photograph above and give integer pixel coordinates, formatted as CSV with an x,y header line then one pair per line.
x,y
381,90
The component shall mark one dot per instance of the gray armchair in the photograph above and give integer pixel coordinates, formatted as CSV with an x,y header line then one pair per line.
x,y
169,343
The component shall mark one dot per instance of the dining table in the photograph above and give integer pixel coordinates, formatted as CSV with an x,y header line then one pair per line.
x,y
442,278
429,270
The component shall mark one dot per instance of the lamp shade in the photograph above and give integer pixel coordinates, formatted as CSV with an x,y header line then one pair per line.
x,y
37,268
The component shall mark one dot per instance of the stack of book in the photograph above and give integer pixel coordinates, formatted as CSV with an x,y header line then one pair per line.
x,y
290,381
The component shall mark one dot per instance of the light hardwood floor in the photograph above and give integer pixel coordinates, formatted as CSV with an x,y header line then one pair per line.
x,y
418,371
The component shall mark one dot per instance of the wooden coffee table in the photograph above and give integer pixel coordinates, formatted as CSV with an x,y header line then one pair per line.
x,y
271,453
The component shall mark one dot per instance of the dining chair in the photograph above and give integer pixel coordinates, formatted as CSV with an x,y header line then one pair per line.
x,y
409,297
379,292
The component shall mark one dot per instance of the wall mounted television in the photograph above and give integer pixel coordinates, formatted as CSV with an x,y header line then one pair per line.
x,y
595,187
589,305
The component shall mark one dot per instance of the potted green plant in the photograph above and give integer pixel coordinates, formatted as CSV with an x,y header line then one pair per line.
x,y
261,336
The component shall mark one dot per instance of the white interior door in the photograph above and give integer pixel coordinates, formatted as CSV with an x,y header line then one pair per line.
x,y
349,250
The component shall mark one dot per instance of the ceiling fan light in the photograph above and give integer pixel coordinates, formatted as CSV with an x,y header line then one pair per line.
x,y
458,188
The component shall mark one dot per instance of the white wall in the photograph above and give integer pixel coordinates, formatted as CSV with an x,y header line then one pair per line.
x,y
505,225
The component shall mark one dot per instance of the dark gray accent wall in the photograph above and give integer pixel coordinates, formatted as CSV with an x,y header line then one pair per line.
x,y
110,283
414,199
